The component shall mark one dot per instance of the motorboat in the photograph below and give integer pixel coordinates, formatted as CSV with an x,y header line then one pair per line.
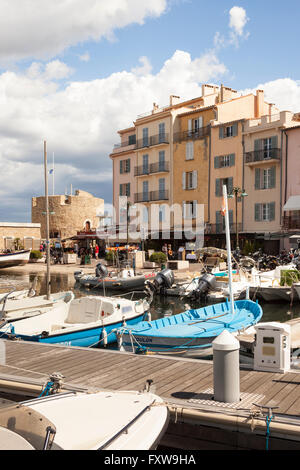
x,y
15,258
15,307
191,331
124,279
103,420
271,286
86,321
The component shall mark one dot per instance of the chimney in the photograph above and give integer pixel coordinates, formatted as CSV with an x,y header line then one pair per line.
x,y
174,100
222,93
259,103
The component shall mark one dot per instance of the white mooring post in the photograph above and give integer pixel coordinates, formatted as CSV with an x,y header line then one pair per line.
x,y
226,368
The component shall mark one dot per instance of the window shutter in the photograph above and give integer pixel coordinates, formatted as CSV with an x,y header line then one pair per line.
x,y
257,145
121,166
230,216
184,209
121,190
195,209
273,177
184,180
200,121
219,222
257,178
272,210
257,212
217,162
274,142
232,159
190,126
221,132
195,179
218,187
235,129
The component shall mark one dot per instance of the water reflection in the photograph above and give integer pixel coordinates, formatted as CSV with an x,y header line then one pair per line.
x,y
161,305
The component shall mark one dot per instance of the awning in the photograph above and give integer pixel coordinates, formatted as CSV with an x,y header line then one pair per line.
x,y
293,204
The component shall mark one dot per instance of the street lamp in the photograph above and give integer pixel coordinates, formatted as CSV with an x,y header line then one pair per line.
x,y
237,193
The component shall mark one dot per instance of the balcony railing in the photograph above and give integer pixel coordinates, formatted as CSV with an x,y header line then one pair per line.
x,y
150,196
192,134
158,167
291,222
262,155
126,143
152,140
220,228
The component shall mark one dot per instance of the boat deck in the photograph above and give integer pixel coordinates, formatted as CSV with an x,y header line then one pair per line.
x,y
185,384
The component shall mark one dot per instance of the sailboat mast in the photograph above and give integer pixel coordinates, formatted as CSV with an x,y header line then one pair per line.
x,y
228,247
47,221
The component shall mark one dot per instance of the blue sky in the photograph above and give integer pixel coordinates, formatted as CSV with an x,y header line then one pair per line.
x,y
74,79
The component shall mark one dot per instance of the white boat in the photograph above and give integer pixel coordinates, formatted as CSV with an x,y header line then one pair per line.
x,y
21,307
105,420
86,321
267,285
14,259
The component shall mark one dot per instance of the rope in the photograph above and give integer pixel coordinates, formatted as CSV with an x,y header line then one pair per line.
x,y
268,422
46,390
98,342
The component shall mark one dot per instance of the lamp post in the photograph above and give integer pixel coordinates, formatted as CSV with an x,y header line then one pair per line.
x,y
237,193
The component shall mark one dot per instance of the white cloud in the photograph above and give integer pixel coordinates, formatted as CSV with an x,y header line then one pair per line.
x,y
80,120
145,67
237,22
31,30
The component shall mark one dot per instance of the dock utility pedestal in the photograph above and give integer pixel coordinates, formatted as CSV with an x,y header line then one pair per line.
x,y
272,347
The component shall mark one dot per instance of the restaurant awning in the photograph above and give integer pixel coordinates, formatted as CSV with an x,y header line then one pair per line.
x,y
293,204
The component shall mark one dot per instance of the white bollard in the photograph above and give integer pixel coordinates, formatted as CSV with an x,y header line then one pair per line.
x,y
226,368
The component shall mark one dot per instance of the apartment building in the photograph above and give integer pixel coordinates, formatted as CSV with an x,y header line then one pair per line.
x,y
291,184
263,182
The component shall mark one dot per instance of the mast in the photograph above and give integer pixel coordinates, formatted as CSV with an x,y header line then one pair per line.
x,y
226,215
47,222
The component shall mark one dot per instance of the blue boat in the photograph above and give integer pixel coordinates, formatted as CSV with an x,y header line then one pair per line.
x,y
191,331
87,321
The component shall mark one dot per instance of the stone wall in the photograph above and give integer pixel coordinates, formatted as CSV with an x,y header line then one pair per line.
x,y
68,213
29,235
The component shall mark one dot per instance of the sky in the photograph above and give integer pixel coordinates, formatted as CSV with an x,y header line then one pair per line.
x,y
74,72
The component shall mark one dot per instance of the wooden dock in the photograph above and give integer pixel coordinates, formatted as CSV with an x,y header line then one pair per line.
x,y
197,421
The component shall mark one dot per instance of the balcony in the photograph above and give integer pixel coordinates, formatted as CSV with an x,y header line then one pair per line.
x,y
262,155
220,228
192,135
151,196
159,167
152,140
291,222
124,146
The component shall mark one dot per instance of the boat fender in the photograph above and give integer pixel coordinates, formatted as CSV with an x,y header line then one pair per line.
x,y
44,334
124,321
104,337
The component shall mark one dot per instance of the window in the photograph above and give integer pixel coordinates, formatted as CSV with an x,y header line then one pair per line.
x,y
132,139
265,178
161,187
189,179
161,132
189,151
266,148
264,212
220,182
162,213
125,166
228,131
220,221
224,161
145,189
125,189
189,209
145,137
161,160
145,164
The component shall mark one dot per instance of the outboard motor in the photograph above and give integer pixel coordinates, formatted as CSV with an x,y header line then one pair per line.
x,y
162,281
206,283
101,271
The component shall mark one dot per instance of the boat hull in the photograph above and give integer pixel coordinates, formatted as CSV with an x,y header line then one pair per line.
x,y
82,337
114,284
14,259
190,331
273,294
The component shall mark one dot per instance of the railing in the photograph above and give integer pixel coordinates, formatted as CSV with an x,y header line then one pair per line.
x,y
160,195
192,134
152,168
152,140
261,155
124,144
220,228
291,222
